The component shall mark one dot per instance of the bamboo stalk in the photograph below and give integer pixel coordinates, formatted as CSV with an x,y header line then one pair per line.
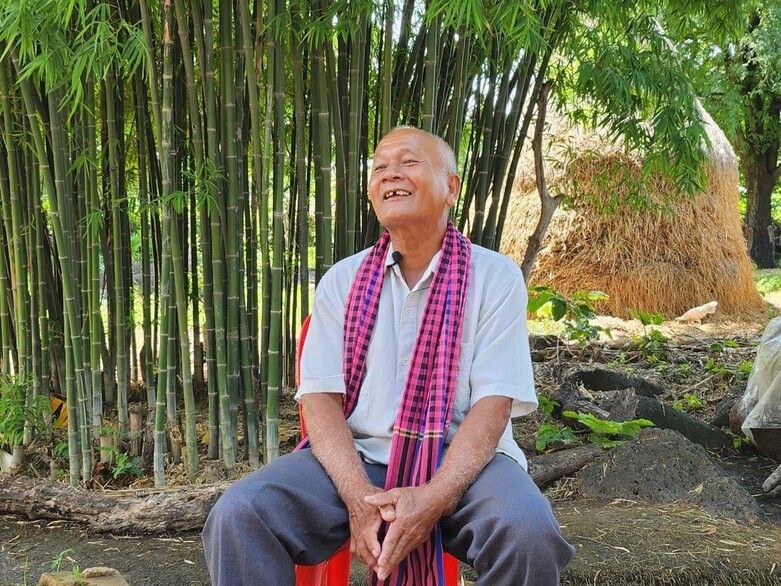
x,y
250,406
120,300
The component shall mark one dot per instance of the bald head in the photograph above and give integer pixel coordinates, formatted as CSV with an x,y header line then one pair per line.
x,y
446,155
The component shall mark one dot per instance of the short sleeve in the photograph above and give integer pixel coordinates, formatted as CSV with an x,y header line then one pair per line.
x,y
322,369
501,365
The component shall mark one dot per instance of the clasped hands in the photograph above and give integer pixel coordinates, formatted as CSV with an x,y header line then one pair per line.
x,y
411,514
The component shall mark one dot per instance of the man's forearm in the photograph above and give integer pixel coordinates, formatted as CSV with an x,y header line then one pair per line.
x,y
332,445
472,448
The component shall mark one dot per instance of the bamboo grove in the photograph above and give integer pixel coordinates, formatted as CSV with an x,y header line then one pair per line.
x,y
176,175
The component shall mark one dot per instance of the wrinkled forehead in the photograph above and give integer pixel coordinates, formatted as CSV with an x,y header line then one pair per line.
x,y
407,140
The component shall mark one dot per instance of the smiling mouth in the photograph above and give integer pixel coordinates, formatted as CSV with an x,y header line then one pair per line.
x,y
396,193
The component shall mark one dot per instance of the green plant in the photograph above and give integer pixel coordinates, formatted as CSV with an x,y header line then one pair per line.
x,y
575,311
602,430
57,559
16,412
653,344
683,372
688,402
61,450
550,433
744,369
647,319
126,465
547,405
738,441
767,280
721,345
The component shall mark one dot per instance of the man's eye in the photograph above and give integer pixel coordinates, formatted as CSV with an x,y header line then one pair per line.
x,y
409,162
379,167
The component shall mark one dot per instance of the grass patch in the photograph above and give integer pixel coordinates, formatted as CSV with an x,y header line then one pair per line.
x,y
767,280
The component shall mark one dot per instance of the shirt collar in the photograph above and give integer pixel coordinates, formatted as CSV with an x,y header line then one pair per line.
x,y
427,274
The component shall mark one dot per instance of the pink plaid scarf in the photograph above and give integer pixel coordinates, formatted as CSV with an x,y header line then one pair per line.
x,y
427,404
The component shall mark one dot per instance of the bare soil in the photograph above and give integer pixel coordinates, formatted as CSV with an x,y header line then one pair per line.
x,y
618,543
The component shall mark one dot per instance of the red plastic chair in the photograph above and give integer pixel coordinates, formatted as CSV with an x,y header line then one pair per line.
x,y
335,571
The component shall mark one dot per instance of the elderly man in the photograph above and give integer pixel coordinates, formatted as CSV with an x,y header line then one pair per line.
x,y
417,356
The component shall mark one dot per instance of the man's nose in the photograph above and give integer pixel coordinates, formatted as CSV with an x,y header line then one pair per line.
x,y
394,171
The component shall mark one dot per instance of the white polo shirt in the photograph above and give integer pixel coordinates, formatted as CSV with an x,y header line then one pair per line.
x,y
495,358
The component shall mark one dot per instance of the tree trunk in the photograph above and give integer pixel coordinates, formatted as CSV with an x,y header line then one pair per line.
x,y
548,203
760,181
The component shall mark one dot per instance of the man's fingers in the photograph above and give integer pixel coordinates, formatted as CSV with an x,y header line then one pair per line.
x,y
380,499
391,546
388,513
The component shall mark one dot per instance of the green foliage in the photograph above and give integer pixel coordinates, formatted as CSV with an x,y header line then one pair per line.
x,y
16,413
550,434
724,371
604,430
638,88
647,319
547,405
738,441
767,280
120,462
683,372
58,558
744,369
653,344
126,465
721,345
689,402
575,311
61,450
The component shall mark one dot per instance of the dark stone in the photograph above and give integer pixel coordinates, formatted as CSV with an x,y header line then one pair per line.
x,y
694,429
721,413
604,379
662,466
624,408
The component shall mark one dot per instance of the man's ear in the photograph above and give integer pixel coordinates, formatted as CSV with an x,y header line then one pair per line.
x,y
453,189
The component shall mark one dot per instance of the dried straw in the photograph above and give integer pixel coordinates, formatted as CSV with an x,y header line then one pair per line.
x,y
650,260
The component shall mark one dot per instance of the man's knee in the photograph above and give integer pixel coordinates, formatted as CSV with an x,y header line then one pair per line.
x,y
534,532
231,510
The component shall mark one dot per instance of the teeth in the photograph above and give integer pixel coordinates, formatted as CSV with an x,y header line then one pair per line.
x,y
397,192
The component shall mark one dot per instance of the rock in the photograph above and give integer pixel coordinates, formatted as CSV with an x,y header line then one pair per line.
x,y
624,407
98,576
722,412
604,379
662,466
690,426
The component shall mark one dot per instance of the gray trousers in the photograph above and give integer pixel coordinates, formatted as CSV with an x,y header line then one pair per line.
x,y
288,512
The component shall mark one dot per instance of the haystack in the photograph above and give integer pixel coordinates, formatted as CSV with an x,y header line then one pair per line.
x,y
676,253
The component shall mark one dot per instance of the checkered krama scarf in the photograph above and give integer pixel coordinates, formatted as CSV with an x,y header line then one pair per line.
x,y
427,403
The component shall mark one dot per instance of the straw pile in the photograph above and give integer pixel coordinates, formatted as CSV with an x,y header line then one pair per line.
x,y
689,252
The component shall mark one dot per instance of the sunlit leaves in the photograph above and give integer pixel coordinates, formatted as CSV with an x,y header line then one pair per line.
x,y
627,79
62,42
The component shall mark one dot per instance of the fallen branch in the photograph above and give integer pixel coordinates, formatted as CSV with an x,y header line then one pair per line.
x,y
182,508
179,509
772,481
546,468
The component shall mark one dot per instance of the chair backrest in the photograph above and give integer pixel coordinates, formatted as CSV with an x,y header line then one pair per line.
x,y
299,349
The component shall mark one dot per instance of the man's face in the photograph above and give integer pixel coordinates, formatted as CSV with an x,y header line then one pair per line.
x,y
408,183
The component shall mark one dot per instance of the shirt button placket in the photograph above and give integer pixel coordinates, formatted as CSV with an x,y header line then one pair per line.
x,y
407,332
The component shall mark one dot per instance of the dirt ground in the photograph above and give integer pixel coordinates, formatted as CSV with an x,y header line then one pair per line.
x,y
618,543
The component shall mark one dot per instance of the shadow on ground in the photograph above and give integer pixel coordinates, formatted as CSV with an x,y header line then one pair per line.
x,y
619,543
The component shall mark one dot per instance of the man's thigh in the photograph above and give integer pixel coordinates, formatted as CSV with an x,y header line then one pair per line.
x,y
295,498
503,498
291,498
